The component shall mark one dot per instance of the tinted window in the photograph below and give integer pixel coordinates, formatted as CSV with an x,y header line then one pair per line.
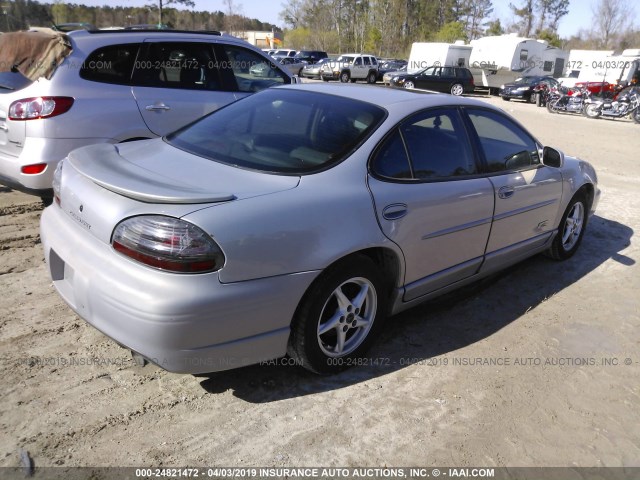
x,y
437,145
183,65
243,65
391,159
282,131
112,64
506,146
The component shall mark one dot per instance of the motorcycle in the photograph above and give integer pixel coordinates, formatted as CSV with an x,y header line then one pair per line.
x,y
626,103
565,100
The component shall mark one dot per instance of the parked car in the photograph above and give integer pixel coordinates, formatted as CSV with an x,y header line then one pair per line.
x,y
284,52
312,70
454,80
351,67
293,64
524,88
386,77
113,87
311,56
391,66
232,240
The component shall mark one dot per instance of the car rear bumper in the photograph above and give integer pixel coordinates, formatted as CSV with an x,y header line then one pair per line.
x,y
38,150
183,323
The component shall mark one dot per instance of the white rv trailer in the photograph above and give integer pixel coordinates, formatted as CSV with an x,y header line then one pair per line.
x,y
426,54
618,69
500,59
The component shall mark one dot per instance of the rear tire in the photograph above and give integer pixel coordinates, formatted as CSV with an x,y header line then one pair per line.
x,y
538,100
571,229
506,99
591,111
457,89
339,316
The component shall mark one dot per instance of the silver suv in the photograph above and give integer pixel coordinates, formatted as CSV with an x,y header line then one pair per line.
x,y
118,86
351,67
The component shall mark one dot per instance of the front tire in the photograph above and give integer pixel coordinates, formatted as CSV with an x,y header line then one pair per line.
x,y
506,99
339,317
345,77
457,89
571,229
636,115
551,106
408,84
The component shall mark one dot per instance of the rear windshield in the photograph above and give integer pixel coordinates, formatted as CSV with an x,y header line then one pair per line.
x,y
281,131
12,81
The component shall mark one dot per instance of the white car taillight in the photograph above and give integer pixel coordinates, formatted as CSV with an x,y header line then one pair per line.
x,y
39,107
167,243
57,182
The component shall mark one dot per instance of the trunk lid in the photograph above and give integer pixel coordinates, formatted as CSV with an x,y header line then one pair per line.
x,y
103,184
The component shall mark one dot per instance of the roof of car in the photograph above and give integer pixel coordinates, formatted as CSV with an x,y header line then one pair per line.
x,y
386,96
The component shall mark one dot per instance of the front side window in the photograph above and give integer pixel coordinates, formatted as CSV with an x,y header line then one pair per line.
x,y
112,64
281,131
249,71
506,146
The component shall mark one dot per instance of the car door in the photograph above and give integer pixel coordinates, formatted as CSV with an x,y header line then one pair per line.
x,y
430,201
527,194
175,83
428,78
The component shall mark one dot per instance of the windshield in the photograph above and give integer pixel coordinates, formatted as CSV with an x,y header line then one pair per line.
x,y
527,80
11,81
281,131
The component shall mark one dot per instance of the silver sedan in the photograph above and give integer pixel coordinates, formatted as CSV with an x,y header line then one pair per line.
x,y
295,220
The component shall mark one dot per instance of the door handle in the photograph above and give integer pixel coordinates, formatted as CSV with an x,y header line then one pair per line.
x,y
394,211
506,192
157,107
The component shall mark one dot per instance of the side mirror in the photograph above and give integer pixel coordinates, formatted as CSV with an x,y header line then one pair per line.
x,y
552,157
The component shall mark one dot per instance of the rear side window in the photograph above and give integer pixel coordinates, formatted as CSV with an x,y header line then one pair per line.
x,y
506,146
112,64
436,148
183,65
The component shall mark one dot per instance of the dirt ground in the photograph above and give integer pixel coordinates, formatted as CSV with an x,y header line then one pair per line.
x,y
538,367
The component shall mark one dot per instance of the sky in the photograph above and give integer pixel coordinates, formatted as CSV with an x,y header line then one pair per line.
x,y
579,15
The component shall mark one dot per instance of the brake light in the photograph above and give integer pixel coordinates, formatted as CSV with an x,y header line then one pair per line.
x,y
34,169
57,182
39,107
167,243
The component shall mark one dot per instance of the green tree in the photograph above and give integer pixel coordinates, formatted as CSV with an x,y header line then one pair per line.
x,y
525,12
494,28
163,3
450,32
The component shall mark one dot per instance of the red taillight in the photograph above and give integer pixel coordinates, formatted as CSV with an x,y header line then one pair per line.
x,y
34,169
39,107
167,243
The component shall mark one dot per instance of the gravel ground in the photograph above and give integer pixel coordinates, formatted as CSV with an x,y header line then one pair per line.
x,y
537,367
